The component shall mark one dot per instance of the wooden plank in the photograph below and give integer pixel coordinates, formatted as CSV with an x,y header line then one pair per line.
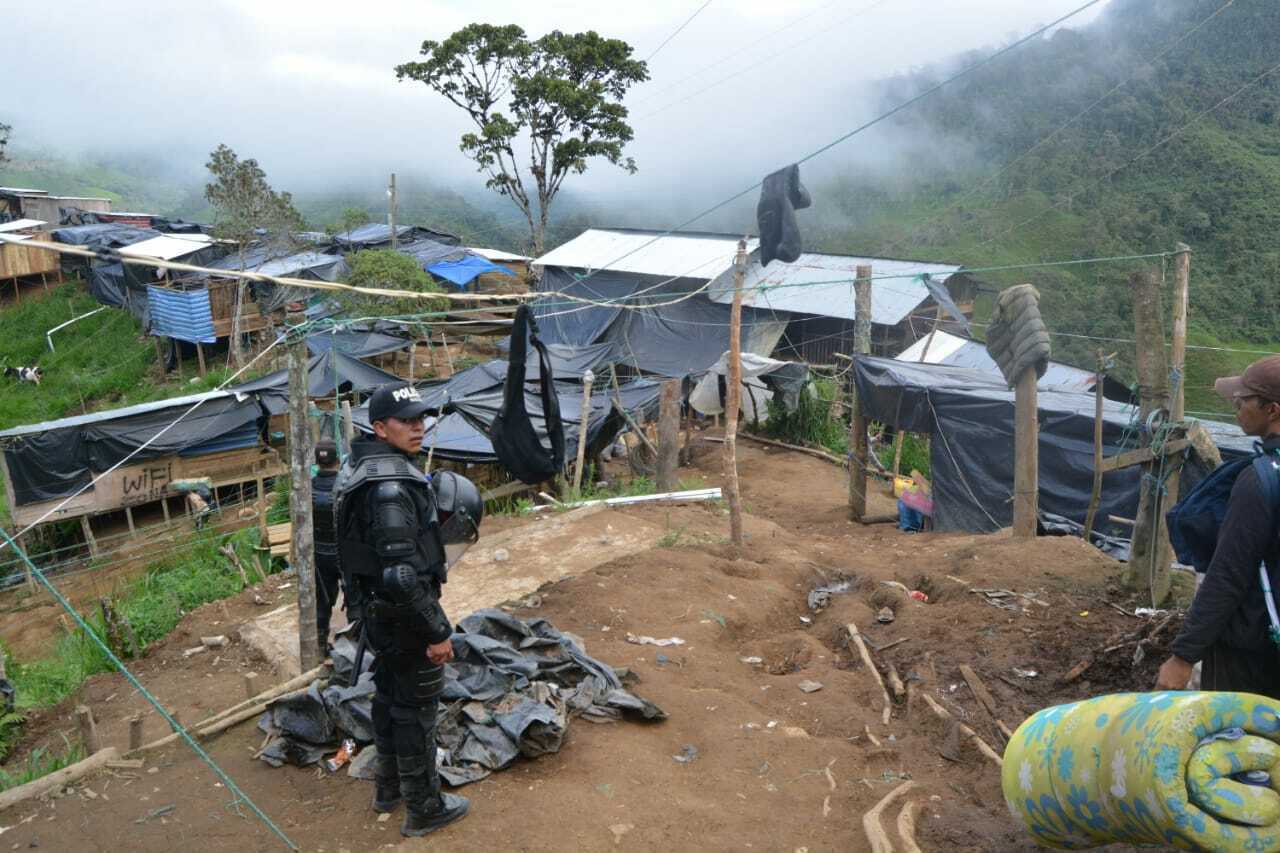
x,y
1141,455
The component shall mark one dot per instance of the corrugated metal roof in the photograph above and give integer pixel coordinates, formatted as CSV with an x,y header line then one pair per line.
x,y
794,287
168,246
496,254
181,314
23,191
955,351
680,255
21,224
114,414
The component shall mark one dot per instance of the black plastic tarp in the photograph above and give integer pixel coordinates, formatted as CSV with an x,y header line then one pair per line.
x,y
357,343
427,251
561,321
969,415
55,463
568,364
106,235
510,692
377,235
328,373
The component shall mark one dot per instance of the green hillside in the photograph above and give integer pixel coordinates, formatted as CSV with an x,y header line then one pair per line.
x,y
1211,178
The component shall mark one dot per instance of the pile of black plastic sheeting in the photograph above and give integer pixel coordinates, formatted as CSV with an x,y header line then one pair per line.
x,y
511,691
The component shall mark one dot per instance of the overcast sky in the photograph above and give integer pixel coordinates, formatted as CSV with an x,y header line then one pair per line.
x,y
308,88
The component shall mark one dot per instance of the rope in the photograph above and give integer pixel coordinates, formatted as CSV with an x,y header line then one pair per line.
x,y
241,796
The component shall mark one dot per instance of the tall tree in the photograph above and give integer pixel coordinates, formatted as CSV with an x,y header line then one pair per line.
x,y
247,209
561,93
4,140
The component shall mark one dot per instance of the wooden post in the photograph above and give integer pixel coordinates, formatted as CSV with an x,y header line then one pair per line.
x,y
413,352
164,508
128,516
1148,566
135,732
86,527
448,356
1178,352
391,210
200,358
588,379
300,453
263,538
250,685
348,428
31,581
734,398
1096,495
88,729
858,449
668,435
1026,461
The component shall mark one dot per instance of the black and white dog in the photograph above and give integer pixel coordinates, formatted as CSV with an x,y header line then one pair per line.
x,y
25,374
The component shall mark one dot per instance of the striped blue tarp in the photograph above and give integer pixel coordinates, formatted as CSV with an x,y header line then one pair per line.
x,y
181,314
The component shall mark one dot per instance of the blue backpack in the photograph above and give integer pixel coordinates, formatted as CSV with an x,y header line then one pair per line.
x,y
1194,521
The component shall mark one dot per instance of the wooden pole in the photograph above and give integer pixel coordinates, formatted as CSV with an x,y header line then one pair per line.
x,y
1178,353
858,427
1096,496
128,516
1026,460
734,398
31,582
448,356
413,352
668,435
263,538
200,358
135,732
1144,570
86,527
300,453
250,685
588,379
88,729
348,427
391,210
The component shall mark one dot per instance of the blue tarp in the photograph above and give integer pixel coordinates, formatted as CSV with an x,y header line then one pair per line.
x,y
463,272
181,314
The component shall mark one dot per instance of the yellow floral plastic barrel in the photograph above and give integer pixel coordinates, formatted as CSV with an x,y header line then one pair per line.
x,y
1189,770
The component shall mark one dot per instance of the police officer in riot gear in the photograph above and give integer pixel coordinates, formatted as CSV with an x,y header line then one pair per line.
x,y
326,543
397,530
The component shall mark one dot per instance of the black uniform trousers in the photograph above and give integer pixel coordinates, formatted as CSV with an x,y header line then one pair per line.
x,y
326,593
404,721
1241,670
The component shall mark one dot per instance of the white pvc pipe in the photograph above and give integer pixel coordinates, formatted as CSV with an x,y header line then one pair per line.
x,y
48,336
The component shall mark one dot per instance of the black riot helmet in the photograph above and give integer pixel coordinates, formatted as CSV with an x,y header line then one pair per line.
x,y
460,509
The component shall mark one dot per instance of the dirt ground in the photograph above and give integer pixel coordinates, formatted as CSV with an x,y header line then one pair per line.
x,y
777,768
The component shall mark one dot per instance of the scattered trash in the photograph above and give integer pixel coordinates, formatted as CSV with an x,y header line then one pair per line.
x,y
715,617
361,767
501,555
885,616
661,660
1084,612
343,755
806,620
533,602
257,599
1024,673
163,811
821,596
214,642
688,754
284,586
753,660
772,724
918,595
195,650
1150,612
650,641
619,830
794,731
810,686
384,817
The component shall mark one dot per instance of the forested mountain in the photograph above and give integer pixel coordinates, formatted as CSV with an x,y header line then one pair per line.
x,y
1113,139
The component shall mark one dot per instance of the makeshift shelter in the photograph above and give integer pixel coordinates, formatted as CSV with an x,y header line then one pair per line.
x,y
329,373
814,294
516,265
939,347
359,342
264,297
657,311
21,255
969,416
27,203
452,263
568,364
376,235
223,438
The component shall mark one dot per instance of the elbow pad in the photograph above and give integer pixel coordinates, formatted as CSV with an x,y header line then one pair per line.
x,y
400,583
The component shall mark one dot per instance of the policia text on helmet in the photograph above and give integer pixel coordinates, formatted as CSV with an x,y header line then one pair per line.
x,y
399,530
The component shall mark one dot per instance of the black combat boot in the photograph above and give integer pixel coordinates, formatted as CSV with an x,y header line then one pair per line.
x,y
386,779
426,808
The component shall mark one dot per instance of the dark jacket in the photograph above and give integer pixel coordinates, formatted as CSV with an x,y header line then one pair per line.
x,y
326,539
1229,609
393,519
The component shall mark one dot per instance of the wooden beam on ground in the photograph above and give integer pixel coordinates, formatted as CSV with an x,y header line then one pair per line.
x,y
58,779
856,637
945,715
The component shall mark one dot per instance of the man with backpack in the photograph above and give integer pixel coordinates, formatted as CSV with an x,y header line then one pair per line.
x,y
1229,626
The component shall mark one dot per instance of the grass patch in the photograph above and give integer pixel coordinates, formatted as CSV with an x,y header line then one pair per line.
x,y
41,762
811,424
